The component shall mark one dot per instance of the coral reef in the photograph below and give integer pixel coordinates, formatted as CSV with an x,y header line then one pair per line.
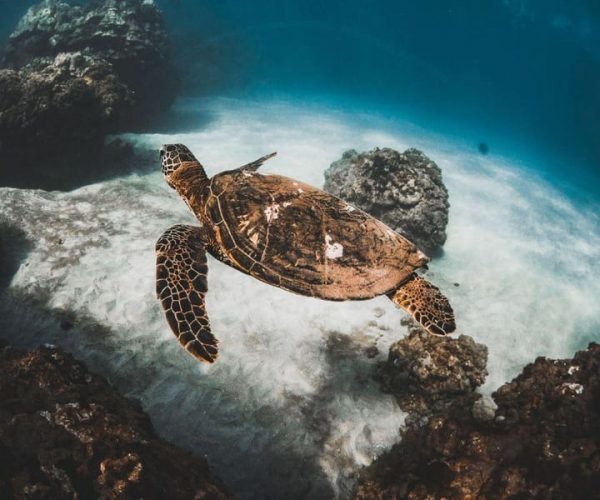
x,y
404,190
541,441
74,74
66,433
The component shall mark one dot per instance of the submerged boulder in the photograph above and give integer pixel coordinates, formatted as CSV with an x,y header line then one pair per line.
x,y
128,36
542,441
404,190
428,373
66,433
74,74
54,117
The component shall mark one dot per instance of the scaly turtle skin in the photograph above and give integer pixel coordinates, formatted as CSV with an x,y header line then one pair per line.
x,y
287,234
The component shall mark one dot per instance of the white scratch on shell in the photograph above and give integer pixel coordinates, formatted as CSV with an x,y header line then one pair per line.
x,y
333,250
272,212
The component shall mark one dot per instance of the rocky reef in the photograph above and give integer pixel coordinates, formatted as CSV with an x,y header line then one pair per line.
x,y
66,433
404,190
539,437
72,75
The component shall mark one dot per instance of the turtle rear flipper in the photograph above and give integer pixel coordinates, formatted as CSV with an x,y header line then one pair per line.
x,y
253,166
426,304
181,285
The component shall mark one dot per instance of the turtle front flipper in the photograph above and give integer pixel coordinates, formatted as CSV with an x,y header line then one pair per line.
x,y
181,285
426,304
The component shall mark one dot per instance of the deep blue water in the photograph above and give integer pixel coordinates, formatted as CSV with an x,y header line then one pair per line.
x,y
522,76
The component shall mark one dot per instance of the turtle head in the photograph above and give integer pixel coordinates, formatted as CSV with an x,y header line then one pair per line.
x,y
174,156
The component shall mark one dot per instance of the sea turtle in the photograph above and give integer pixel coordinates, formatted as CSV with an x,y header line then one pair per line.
x,y
287,234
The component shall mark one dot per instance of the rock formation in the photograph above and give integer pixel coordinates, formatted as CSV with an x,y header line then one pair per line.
x,y
404,190
74,74
428,373
66,433
542,441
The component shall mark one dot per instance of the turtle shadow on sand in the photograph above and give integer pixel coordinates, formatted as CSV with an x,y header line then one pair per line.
x,y
14,247
350,369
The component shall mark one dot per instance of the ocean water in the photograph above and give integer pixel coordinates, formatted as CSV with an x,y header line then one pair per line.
x,y
291,409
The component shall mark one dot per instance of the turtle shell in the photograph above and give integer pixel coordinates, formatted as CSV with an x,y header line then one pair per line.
x,y
302,239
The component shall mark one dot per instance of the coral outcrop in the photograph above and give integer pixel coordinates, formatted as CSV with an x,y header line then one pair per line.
x,y
427,374
538,438
74,74
66,433
404,190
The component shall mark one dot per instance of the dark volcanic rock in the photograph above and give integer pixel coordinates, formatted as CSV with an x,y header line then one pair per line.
x,y
127,35
404,190
66,433
544,442
52,119
75,74
428,373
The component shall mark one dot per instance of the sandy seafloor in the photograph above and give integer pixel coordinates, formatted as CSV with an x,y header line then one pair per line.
x,y
290,410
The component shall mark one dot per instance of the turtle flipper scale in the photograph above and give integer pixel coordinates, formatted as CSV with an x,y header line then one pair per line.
x,y
426,304
181,285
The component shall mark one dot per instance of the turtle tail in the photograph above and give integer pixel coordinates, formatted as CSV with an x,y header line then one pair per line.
x,y
427,305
